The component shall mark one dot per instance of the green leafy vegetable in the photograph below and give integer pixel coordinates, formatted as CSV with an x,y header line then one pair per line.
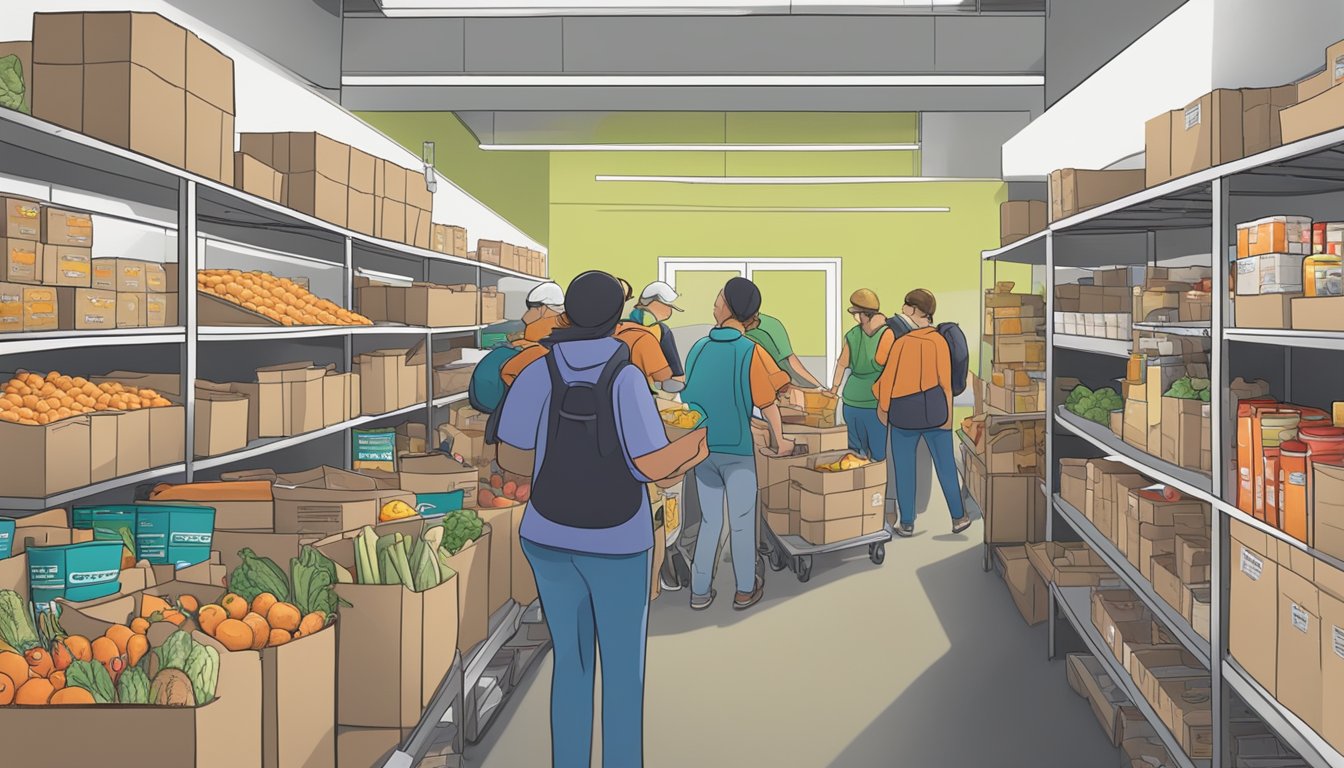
x,y
314,582
13,93
255,575
132,686
175,651
366,557
461,527
203,669
424,566
16,622
92,677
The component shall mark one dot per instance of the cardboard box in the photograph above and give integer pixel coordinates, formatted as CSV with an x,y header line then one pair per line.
x,y
21,261
64,265
1298,676
1261,127
449,239
1268,311
160,310
40,310
1069,564
290,399
438,306
239,506
63,87
1029,591
390,217
784,522
209,76
1078,190
45,459
810,478
86,309
11,308
1320,313
1089,679
1157,147
23,219
472,564
298,153
1332,654
209,137
327,500
221,420
359,212
1315,115
257,178
316,195
1193,558
131,275
386,680
436,473
132,310
1166,582
842,505
1327,498
1269,273
1207,132
1183,425
130,106
1274,234
1253,596
1020,218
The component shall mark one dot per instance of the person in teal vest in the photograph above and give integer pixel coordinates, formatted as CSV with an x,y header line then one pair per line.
x,y
867,436
727,375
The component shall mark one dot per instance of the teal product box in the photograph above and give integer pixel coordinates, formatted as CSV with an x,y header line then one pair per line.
x,y
374,445
439,504
107,521
179,536
75,572
7,528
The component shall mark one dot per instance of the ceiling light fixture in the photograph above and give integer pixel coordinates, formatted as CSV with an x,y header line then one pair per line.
x,y
699,147
771,209
652,7
718,81
779,180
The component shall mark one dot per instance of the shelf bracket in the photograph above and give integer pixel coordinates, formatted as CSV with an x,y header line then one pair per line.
x,y
187,247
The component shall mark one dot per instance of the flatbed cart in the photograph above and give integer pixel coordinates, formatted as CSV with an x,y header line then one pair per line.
x,y
796,554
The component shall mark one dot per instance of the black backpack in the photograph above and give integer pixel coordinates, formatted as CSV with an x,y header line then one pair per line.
x,y
956,346
584,480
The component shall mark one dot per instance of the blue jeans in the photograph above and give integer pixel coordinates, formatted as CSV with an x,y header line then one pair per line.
x,y
718,479
587,600
903,445
867,435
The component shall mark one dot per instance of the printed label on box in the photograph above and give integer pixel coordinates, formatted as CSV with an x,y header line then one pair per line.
x,y
1338,634
1297,478
878,498
1251,565
1301,619
1192,115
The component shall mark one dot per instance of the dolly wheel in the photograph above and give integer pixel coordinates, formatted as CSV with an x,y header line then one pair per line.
x,y
804,568
877,553
777,560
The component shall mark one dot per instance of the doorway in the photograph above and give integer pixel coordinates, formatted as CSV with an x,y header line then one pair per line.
x,y
804,294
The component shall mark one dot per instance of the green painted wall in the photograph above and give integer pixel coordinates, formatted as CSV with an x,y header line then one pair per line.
x,y
513,184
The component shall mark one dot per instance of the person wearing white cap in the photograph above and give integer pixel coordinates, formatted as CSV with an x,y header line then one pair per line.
x,y
655,306
545,306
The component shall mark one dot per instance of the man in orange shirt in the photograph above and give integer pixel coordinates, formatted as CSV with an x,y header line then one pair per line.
x,y
914,399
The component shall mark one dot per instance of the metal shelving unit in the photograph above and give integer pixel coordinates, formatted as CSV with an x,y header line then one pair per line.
x,y
1093,345
1197,209
1076,605
68,169
1120,564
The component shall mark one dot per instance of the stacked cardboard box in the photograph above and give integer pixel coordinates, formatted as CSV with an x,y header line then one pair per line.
x,y
423,304
142,293
777,500
138,81
388,381
1176,430
1318,100
515,257
1075,190
316,170
837,504
1013,350
257,178
449,239
1218,127
1019,219
1269,277
1294,657
1000,475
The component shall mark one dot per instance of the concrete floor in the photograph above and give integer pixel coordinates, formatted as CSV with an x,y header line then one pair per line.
x,y
922,662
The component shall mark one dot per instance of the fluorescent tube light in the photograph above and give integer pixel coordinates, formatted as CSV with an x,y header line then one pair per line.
x,y
638,81
652,7
780,180
770,209
699,147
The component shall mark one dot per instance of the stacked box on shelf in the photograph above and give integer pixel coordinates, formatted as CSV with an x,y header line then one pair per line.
x,y
449,239
316,171
1012,349
1292,657
140,82
388,381
1000,474
1019,219
1287,274
1075,190
422,304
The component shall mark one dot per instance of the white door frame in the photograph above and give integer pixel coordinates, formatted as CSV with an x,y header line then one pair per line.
x,y
669,266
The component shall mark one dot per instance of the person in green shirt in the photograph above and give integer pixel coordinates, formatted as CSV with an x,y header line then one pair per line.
x,y
867,435
770,334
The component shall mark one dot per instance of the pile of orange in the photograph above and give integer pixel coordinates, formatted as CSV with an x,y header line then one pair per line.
x,y
264,623
30,398
278,298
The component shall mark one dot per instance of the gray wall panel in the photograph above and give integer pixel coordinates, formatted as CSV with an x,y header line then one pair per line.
x,y
966,144
302,35
990,44
514,45
1082,35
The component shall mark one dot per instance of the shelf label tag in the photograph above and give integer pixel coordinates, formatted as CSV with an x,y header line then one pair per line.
x,y
1301,619
1338,643
1192,115
1251,565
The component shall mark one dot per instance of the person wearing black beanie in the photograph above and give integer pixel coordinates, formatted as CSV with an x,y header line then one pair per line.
x,y
582,422
727,376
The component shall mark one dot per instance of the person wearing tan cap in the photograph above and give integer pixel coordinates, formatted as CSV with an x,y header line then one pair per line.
x,y
867,435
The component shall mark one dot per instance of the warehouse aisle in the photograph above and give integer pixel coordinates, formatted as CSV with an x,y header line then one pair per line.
x,y
921,662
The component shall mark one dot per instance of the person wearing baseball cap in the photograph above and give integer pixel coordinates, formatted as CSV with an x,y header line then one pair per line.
x,y
545,308
867,435
655,306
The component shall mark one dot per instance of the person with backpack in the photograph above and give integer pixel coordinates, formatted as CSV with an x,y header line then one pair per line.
x,y
923,368
545,308
655,307
727,375
583,423
867,435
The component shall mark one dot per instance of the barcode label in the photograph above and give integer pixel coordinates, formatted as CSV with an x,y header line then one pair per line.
x,y
1192,115
1251,565
877,499
1301,619
1338,643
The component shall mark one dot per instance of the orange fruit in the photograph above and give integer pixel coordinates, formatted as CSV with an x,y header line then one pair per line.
x,y
261,631
209,618
284,616
36,691
119,634
262,603
234,605
71,696
278,637
234,635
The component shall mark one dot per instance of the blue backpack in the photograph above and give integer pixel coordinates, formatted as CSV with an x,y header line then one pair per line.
x,y
956,346
486,390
